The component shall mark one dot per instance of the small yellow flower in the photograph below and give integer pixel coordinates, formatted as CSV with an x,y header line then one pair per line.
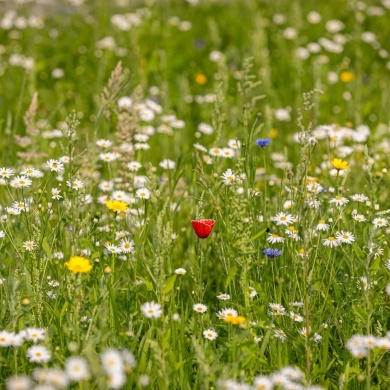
x,y
78,265
200,79
273,133
116,205
239,320
339,164
347,77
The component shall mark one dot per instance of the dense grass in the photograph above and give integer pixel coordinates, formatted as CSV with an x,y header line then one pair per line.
x,y
309,79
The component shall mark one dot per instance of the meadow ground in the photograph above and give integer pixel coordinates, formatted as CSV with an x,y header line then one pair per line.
x,y
194,194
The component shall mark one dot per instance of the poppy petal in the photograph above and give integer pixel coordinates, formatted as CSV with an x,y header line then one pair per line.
x,y
203,227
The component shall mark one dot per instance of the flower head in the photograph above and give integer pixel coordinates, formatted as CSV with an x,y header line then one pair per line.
x,y
283,219
331,242
227,313
272,253
263,142
78,265
38,354
199,308
76,368
200,79
55,166
20,182
142,193
239,320
151,310
203,227
29,245
116,205
75,184
210,334
347,76
339,164
180,271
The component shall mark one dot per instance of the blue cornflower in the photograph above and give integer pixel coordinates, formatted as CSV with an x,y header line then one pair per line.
x,y
263,142
272,253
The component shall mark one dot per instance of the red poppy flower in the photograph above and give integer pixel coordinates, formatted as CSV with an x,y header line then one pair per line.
x,y
203,227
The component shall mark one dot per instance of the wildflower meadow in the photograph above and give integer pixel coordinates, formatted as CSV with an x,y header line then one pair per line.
x,y
194,194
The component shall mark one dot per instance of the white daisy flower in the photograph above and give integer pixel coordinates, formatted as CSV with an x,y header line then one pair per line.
x,y
345,237
283,219
167,164
359,198
223,297
142,193
76,368
339,201
127,246
151,310
380,222
55,165
331,242
274,238
38,354
200,308
228,177
180,271
210,334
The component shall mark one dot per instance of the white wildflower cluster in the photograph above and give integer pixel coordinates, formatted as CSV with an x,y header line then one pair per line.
x,y
12,339
115,364
229,177
360,345
337,135
128,21
286,378
232,149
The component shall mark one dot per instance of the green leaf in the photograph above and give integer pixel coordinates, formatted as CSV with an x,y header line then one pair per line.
x,y
180,364
169,284
46,248
86,244
376,264
316,286
230,276
95,255
360,312
257,235
114,307
149,285
167,338
264,343
360,253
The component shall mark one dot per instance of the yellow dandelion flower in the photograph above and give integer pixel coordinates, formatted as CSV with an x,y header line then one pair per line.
x,y
116,205
273,133
347,77
339,164
200,79
239,320
78,265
